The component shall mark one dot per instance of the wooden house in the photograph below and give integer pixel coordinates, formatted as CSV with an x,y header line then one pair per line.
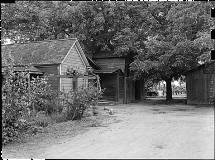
x,y
116,78
200,84
52,58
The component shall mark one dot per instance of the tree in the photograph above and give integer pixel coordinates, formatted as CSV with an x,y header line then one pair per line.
x,y
93,23
173,47
32,21
98,25
169,38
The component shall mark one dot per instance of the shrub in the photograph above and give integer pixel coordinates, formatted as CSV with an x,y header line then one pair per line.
x,y
17,99
58,117
77,101
41,96
13,97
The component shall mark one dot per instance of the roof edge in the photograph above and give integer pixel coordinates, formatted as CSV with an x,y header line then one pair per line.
x,y
198,67
81,53
69,51
41,41
94,63
107,72
45,64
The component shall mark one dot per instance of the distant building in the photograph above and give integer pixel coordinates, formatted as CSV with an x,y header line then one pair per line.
x,y
116,77
200,84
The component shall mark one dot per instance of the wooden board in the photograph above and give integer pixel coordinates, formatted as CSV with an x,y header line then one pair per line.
x,y
109,83
200,87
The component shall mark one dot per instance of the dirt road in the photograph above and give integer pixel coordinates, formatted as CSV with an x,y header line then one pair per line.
x,y
139,131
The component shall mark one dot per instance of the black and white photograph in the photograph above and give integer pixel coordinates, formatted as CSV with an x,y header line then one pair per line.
x,y
108,79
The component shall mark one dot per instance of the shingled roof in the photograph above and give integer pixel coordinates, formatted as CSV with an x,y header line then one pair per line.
x,y
41,52
106,54
210,65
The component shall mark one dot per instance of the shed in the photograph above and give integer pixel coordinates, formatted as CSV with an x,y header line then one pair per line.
x,y
200,84
116,78
52,58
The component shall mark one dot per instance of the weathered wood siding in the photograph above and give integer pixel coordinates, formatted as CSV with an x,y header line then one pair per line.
x,y
129,90
121,88
66,84
200,87
74,60
109,81
111,64
51,71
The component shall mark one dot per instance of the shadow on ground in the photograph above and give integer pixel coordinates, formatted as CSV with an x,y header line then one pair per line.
x,y
160,101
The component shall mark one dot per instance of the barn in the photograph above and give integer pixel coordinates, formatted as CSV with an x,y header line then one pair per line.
x,y
53,59
200,84
116,78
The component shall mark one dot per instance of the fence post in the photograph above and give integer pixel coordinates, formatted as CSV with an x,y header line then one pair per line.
x,y
125,90
117,79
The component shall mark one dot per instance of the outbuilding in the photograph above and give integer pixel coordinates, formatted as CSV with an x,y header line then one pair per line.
x,y
200,84
116,77
63,62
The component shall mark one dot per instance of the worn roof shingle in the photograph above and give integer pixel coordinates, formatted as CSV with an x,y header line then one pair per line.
x,y
106,54
41,52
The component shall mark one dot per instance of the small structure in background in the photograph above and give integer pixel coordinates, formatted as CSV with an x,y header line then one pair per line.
x,y
116,77
200,84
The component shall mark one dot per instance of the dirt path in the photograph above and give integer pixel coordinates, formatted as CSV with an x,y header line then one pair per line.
x,y
135,131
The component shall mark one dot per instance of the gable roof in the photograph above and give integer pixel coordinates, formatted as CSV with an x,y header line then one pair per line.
x,y
199,67
107,54
22,68
41,52
93,64
108,71
82,54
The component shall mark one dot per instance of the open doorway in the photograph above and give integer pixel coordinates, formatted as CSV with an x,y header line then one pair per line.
x,y
138,90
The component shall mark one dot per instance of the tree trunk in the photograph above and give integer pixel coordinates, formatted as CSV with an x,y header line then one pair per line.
x,y
168,89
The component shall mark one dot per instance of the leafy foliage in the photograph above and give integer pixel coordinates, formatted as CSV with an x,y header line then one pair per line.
x,y
41,96
174,47
22,104
179,89
77,101
169,38
13,103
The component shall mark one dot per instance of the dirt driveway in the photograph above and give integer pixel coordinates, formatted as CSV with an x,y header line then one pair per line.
x,y
152,129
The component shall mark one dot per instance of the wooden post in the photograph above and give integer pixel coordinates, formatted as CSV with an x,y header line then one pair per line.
x,y
74,83
76,87
98,82
86,79
117,81
125,90
143,89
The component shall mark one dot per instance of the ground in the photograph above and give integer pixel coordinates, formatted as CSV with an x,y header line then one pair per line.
x,y
149,129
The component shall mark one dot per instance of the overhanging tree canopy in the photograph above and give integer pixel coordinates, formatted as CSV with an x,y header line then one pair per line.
x,y
168,37
174,47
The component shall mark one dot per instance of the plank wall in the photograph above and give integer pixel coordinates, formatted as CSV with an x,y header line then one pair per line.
x,y
111,64
74,60
199,87
109,81
50,70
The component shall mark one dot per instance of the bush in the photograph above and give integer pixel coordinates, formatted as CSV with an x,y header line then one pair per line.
x,y
14,90
18,100
78,101
41,96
